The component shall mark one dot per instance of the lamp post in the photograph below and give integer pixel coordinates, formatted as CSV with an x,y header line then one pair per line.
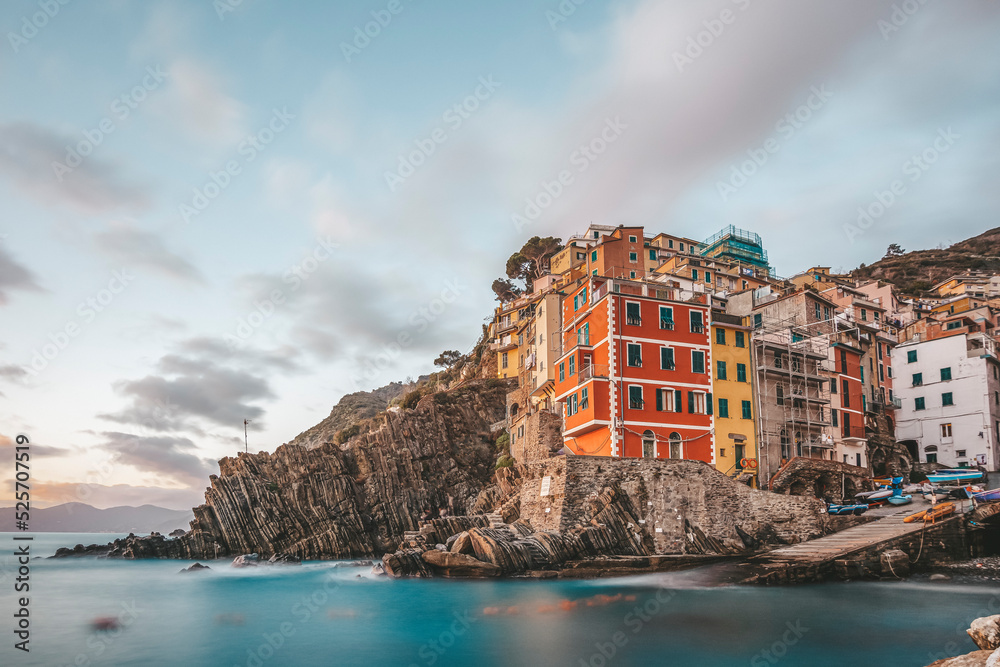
x,y
246,444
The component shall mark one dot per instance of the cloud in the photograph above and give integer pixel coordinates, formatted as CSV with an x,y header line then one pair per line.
x,y
175,458
102,496
13,373
14,276
134,247
36,450
202,382
27,155
196,104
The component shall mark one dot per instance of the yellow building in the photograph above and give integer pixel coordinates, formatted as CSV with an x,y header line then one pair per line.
x,y
733,395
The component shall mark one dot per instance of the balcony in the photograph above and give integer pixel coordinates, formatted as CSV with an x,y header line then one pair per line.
x,y
591,372
633,321
668,325
571,342
981,345
697,327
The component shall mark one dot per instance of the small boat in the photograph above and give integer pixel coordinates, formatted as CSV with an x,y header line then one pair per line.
x,y
856,509
954,475
987,496
874,495
915,517
900,500
939,511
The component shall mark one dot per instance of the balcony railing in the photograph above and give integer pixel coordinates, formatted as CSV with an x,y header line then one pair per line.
x,y
633,321
635,403
592,371
697,327
667,324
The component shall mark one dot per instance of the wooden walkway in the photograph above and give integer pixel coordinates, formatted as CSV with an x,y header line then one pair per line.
x,y
846,542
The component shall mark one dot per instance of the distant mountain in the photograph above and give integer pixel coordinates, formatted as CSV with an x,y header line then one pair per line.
x,y
81,518
914,272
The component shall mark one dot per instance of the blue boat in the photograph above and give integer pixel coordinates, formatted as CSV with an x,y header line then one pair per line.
x,y
954,475
847,509
987,496
900,500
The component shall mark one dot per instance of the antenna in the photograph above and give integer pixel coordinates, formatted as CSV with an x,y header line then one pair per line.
x,y
246,444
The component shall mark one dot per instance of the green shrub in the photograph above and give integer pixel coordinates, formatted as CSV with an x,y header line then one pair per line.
x,y
412,398
504,461
346,434
503,442
273,487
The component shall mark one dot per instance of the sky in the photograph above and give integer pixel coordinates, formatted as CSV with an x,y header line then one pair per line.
x,y
218,210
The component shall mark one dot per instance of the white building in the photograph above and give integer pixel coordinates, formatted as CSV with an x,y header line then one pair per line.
x,y
949,387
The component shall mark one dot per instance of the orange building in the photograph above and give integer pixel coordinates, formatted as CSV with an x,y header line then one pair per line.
x,y
633,371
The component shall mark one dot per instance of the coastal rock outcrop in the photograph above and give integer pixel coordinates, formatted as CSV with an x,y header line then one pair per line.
x,y
985,632
356,499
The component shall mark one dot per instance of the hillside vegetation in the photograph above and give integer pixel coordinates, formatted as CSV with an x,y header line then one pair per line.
x,y
913,273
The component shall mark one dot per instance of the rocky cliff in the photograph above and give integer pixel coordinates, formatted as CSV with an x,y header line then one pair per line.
x,y
327,501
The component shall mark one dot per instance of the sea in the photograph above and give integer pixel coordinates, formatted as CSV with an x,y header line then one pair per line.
x,y
330,613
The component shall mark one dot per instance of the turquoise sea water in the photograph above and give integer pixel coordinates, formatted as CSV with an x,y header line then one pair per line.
x,y
318,614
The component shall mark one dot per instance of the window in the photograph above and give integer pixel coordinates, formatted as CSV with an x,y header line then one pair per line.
x,y
633,257
682,246
847,425
648,445
696,322
665,401
572,405
572,365
631,275
747,414
786,445
696,402
779,393
946,374
720,370
694,274
581,256
503,360
670,243
818,311
740,339
652,254
562,372
946,430
826,312
833,418
918,379
845,395
864,314
697,361
918,403
632,314
667,358
946,399
833,386
996,395
593,256
723,408
635,397
583,335
583,297
758,319
634,354
932,458
778,360
666,317
960,453
632,239
720,336
911,356
741,372
708,277
675,446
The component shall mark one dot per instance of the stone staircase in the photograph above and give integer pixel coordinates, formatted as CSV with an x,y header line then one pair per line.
x,y
496,521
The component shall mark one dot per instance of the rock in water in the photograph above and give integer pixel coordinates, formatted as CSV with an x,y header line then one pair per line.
x,y
284,559
246,560
986,632
458,565
196,568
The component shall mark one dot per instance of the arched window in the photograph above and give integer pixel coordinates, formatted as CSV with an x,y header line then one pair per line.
x,y
648,445
930,448
675,446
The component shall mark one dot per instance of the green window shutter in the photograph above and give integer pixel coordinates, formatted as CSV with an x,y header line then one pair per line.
x,y
659,400
720,370
723,408
593,256
741,372
747,414
708,403
678,401
691,402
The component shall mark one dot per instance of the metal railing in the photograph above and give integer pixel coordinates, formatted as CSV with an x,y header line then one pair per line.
x,y
592,371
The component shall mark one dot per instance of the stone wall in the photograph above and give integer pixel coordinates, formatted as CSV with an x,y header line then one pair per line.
x,y
832,481
680,504
542,438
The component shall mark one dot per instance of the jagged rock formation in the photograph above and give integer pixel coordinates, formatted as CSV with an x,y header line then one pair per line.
x,y
330,501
